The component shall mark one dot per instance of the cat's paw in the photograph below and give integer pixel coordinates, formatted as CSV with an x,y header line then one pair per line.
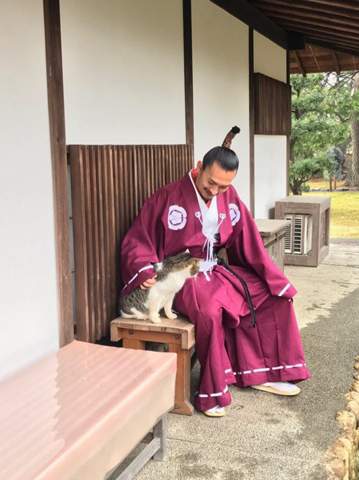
x,y
154,319
171,315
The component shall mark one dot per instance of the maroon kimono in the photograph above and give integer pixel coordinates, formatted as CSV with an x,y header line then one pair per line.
x,y
229,348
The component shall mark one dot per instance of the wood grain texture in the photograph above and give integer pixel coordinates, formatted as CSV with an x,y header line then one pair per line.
x,y
272,106
109,185
59,166
252,186
188,70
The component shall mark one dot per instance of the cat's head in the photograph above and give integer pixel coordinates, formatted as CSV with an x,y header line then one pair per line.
x,y
181,261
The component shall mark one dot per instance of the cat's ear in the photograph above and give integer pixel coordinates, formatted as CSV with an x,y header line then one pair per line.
x,y
187,250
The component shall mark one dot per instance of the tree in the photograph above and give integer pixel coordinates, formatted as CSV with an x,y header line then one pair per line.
x,y
322,106
353,176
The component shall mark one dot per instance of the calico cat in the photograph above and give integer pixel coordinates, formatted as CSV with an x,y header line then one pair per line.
x,y
170,277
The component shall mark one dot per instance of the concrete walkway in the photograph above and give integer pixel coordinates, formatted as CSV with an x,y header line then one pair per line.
x,y
266,437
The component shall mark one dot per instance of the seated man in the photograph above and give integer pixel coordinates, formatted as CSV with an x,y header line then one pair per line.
x,y
246,330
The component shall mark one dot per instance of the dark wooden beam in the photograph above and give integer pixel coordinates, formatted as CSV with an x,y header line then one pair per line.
x,y
336,61
288,136
188,71
253,17
316,31
312,21
251,121
296,12
304,6
295,41
315,58
353,5
299,63
59,165
332,46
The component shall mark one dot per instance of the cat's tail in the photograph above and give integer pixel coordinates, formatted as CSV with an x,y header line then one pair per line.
x,y
134,314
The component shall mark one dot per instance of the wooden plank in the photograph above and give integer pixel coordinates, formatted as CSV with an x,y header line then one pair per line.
x,y
188,70
177,326
59,166
110,184
272,103
254,18
251,122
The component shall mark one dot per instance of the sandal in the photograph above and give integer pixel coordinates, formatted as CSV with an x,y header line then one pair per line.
x,y
216,411
278,388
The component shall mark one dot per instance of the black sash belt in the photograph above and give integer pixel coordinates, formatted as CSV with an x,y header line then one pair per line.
x,y
224,264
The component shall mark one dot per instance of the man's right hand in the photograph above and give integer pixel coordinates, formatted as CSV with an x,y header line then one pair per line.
x,y
148,283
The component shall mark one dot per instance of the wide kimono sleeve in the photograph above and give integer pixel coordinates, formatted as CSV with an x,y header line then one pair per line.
x,y
143,244
245,247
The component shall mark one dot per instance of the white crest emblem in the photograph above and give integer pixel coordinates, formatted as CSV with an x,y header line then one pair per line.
x,y
177,217
234,213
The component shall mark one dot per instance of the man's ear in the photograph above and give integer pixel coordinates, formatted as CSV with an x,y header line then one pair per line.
x,y
199,165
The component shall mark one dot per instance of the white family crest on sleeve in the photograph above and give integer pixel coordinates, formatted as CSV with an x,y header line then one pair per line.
x,y
234,213
177,217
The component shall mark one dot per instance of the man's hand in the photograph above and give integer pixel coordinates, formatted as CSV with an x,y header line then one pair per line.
x,y
148,283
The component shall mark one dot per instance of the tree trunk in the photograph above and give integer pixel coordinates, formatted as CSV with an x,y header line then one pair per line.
x,y
330,183
353,172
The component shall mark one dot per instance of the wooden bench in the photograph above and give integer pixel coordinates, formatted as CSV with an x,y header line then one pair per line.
x,y
75,414
178,334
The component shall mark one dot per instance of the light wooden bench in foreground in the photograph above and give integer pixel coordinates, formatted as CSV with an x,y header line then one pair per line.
x,y
178,334
77,413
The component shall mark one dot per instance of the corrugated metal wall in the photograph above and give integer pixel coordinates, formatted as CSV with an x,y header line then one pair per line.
x,y
109,186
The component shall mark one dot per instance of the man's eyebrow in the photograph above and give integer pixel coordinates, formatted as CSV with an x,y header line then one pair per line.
x,y
219,184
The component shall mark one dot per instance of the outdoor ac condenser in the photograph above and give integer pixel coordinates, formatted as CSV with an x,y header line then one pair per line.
x,y
307,235
298,238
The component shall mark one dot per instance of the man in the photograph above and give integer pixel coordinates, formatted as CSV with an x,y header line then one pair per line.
x,y
246,330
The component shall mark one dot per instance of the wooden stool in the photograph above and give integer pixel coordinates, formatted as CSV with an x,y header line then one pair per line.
x,y
178,334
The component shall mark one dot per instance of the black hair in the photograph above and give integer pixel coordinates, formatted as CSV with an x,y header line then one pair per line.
x,y
224,156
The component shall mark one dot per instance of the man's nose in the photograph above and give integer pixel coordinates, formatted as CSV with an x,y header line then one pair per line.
x,y
214,191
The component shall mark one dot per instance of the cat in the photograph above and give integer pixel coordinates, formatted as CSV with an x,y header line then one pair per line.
x,y
171,275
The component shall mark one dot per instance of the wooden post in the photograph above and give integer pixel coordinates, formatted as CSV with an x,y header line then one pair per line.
x,y
59,166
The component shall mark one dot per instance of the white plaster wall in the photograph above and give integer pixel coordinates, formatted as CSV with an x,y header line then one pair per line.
x,y
28,293
270,172
269,58
220,84
123,71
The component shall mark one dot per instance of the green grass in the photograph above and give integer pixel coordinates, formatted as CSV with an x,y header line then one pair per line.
x,y
344,221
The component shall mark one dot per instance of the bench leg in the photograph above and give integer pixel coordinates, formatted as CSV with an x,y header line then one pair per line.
x,y
183,404
160,431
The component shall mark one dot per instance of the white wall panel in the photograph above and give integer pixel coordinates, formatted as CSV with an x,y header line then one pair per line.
x,y
220,84
123,71
269,58
270,172
28,293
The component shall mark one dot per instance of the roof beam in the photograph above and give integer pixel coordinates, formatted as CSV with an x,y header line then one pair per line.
x,y
330,46
336,61
350,5
313,22
255,18
315,58
299,63
322,18
353,39
305,6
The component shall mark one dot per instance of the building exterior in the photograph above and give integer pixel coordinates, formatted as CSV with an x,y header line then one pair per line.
x,y
128,72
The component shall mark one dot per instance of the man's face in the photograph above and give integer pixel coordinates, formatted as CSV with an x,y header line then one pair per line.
x,y
213,180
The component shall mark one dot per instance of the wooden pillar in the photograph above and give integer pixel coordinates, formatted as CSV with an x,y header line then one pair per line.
x,y
188,71
59,166
289,134
251,123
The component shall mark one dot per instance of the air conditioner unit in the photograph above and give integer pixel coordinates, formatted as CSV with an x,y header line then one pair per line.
x,y
299,233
